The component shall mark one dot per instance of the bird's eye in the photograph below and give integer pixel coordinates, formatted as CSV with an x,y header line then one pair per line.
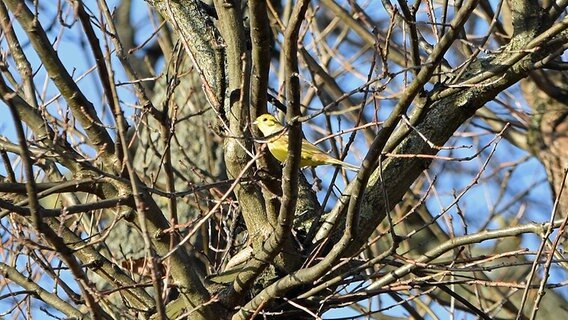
x,y
264,119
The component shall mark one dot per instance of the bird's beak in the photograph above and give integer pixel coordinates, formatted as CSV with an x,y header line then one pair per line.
x,y
255,122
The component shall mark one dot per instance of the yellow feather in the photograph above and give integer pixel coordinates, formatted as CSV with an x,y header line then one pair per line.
x,y
311,155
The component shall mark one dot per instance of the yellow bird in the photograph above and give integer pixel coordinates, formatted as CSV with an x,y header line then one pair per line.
x,y
311,155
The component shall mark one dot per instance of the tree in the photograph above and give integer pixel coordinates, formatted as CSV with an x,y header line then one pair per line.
x,y
134,184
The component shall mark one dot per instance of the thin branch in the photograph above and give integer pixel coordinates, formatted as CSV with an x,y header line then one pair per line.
x,y
83,109
38,292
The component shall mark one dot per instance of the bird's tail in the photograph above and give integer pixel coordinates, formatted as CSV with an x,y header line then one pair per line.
x,y
346,165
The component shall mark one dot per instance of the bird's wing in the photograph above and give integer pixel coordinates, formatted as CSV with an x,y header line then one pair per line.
x,y
310,148
320,157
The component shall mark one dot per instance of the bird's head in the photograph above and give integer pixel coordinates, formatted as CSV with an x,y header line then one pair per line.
x,y
267,124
